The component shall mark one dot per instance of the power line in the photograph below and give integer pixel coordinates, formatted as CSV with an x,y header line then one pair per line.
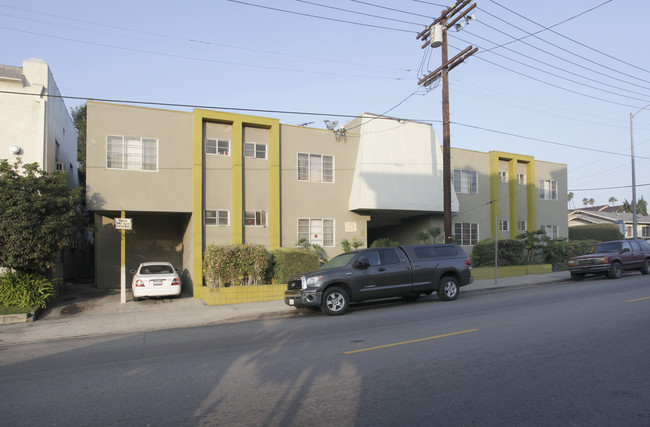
x,y
356,12
322,17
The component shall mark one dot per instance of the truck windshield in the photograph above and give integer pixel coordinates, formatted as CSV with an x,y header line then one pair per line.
x,y
339,261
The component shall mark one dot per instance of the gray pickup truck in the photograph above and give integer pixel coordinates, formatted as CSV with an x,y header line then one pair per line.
x,y
376,273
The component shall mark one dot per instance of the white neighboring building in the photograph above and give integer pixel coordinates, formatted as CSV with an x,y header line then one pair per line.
x,y
34,121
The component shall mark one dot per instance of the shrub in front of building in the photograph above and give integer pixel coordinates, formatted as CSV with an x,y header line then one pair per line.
x,y
579,247
25,290
510,252
288,262
235,265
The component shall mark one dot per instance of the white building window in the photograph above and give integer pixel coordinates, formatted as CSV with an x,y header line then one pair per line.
x,y
217,217
253,150
551,231
128,153
316,230
547,189
521,178
465,181
503,176
503,225
522,225
466,233
645,231
255,219
315,167
219,147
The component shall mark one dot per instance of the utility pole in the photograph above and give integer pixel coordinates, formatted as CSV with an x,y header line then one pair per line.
x,y
435,35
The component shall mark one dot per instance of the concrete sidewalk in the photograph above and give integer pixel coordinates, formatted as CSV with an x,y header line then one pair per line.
x,y
84,311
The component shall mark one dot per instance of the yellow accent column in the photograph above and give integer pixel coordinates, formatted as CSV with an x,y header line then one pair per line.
x,y
275,214
494,190
531,193
197,204
514,198
123,263
237,214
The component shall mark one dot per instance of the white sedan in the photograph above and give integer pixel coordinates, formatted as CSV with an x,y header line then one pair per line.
x,y
155,279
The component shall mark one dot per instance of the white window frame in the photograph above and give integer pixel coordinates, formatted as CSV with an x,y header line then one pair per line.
x,y
503,176
547,189
255,219
552,231
465,181
320,231
315,168
522,225
469,232
645,231
217,217
503,225
217,147
259,151
130,153
521,178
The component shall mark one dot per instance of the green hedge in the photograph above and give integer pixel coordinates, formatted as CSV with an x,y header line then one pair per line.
x,y
599,232
511,252
235,265
25,290
288,262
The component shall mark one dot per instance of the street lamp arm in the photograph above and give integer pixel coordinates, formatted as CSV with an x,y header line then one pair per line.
x,y
640,110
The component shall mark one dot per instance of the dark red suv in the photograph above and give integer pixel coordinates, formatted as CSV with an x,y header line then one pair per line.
x,y
612,259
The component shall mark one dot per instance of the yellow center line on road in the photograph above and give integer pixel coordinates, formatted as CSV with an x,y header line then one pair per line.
x,y
410,342
638,299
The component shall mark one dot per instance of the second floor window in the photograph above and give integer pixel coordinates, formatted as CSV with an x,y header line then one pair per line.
x,y
547,189
521,178
253,150
503,176
128,153
315,167
219,147
465,181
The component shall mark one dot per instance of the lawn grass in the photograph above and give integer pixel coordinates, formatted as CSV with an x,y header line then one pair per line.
x,y
13,310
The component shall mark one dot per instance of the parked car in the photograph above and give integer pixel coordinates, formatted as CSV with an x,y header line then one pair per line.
x,y
376,273
155,279
612,259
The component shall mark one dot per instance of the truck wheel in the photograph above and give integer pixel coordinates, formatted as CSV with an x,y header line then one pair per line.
x,y
646,267
335,301
448,289
616,271
577,276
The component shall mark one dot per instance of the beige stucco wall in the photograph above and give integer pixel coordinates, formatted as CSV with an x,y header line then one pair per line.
x,y
167,190
257,187
553,212
319,200
218,182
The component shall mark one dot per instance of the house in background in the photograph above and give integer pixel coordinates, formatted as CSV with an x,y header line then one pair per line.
x,y
578,217
35,124
190,179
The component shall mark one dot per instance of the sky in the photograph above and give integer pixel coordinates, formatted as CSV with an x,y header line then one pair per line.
x,y
557,80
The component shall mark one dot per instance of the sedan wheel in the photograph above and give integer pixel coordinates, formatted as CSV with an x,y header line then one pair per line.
x,y
335,301
448,289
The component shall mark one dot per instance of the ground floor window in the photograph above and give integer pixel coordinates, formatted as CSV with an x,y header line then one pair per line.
x,y
466,233
255,219
551,231
318,231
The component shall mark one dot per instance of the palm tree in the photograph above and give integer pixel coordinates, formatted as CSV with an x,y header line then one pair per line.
x,y
569,198
592,201
613,200
585,201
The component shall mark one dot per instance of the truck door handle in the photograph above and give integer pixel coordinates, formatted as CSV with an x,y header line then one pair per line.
x,y
381,269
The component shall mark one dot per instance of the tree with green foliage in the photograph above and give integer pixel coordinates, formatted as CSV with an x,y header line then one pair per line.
x,y
533,242
313,248
641,207
38,214
79,119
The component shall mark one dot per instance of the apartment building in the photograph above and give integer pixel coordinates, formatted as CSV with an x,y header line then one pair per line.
x,y
189,179
34,122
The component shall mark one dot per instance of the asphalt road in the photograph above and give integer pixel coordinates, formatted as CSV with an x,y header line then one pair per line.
x,y
575,353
